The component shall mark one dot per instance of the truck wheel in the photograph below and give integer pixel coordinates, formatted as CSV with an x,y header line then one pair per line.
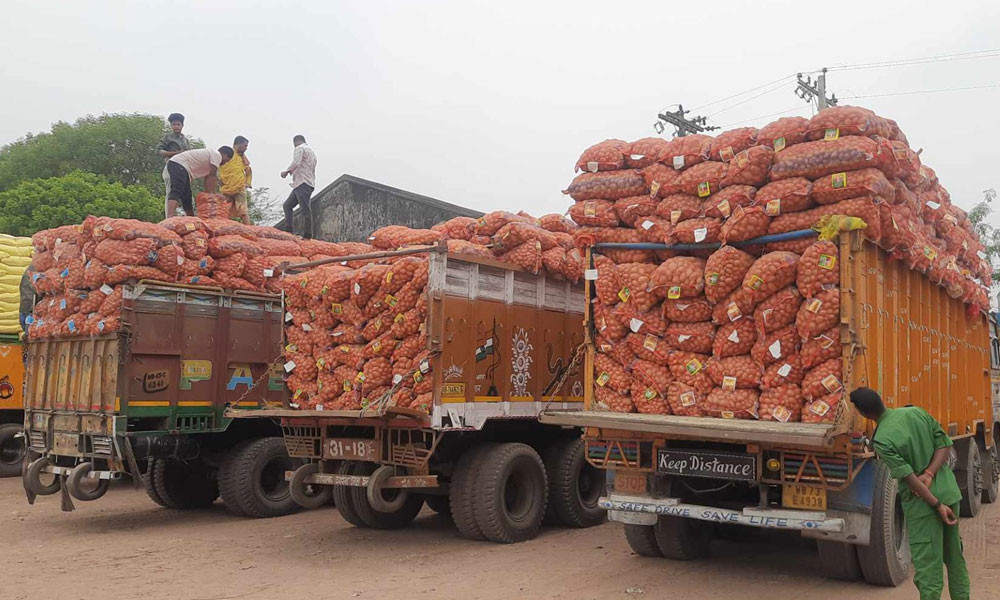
x,y
253,479
408,504
642,540
342,495
463,489
682,539
12,450
308,495
886,559
438,504
81,488
839,560
574,485
149,483
184,485
991,469
33,478
510,493
970,479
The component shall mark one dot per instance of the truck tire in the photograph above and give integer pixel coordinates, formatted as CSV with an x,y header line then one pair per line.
x,y
462,493
439,504
886,559
510,493
642,540
970,478
377,519
184,485
342,495
77,483
574,486
682,539
839,560
991,469
33,478
253,479
12,450
149,482
308,495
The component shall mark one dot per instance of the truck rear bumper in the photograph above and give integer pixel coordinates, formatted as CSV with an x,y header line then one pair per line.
x,y
645,511
57,470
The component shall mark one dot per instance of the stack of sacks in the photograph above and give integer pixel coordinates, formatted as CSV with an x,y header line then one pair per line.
x,y
751,332
15,256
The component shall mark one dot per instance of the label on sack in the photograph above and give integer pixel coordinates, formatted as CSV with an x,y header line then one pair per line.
x,y
653,188
199,243
951,219
62,304
819,408
289,366
693,366
107,290
981,254
742,159
724,208
733,311
681,307
360,377
589,209
682,338
674,292
306,327
635,325
727,414
348,385
378,324
647,225
391,300
780,413
734,337
399,318
831,134
357,289
424,366
337,309
755,282
838,180
679,162
675,216
590,275
831,383
593,166
775,349
727,154
704,189
827,261
189,226
813,305
700,234
712,278
688,399
784,370
779,144
933,205
624,294
773,207
396,378
320,363
288,317
649,342
930,253
649,394
826,343
729,383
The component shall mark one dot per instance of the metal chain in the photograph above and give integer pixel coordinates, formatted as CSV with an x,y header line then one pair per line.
x,y
569,369
265,375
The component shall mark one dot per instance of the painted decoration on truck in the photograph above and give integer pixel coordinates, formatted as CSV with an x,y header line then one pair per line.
x,y
521,362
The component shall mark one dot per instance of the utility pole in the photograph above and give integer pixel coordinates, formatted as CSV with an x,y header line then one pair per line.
x,y
682,125
809,91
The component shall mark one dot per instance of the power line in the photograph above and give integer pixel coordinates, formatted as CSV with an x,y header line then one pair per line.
x,y
745,100
958,89
754,89
905,62
775,114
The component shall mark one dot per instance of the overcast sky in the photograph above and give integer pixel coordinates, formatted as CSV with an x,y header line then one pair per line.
x,y
488,105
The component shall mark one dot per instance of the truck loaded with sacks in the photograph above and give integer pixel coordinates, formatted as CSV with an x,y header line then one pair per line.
x,y
738,287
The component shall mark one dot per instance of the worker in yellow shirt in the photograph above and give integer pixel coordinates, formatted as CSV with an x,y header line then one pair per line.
x,y
236,178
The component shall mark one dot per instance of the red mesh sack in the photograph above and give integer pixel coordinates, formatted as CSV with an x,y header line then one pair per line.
x,y
234,264
837,121
621,353
90,302
609,185
512,235
679,207
733,307
407,324
220,247
644,152
749,167
813,160
735,372
687,310
823,379
689,368
784,132
232,282
770,273
607,372
553,261
271,233
785,196
220,227
377,372
630,209
271,247
745,224
698,231
528,256
724,272
778,311
652,375
660,179
732,404
618,235
728,144
648,347
184,225
468,248
211,206
686,151
491,222
47,283
607,285
691,337
734,338
594,213
42,261
776,346
347,333
794,246
656,230
821,410
684,400
782,403
573,265
375,327
608,155
787,371
648,400
129,229
635,281
134,252
170,259
608,321
722,203
121,273
195,245
818,268
821,347
311,247
608,399
399,274
852,184
253,272
555,223
678,277
702,180
818,314
365,282
650,321
864,208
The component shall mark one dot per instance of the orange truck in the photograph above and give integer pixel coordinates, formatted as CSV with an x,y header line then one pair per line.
x,y
11,406
676,481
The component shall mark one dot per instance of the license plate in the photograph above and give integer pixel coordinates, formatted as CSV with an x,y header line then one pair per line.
x,y
803,497
630,483
351,449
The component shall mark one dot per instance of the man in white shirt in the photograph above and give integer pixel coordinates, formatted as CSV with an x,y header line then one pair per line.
x,y
303,170
187,166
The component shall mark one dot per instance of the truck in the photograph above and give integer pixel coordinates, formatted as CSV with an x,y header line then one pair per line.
x,y
675,481
148,401
12,447
504,346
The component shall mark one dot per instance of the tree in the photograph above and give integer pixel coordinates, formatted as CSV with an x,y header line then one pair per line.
x,y
118,147
264,209
39,204
988,234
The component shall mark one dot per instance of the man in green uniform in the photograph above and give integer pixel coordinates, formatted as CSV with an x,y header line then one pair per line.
x,y
915,449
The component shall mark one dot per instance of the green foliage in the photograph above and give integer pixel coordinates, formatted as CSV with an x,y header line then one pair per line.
x,y
44,203
118,147
263,208
988,234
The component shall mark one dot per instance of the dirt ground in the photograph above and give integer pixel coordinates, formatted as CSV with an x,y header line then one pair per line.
x,y
124,546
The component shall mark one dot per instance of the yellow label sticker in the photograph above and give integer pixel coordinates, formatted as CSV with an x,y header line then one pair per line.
x,y
711,279
827,261
297,393
930,253
831,134
344,349
337,309
603,378
733,311
726,154
378,324
399,318
688,399
360,377
704,189
779,144
729,383
755,282
418,376
838,180
649,394
675,216
653,188
376,346
773,207
320,363
780,413
589,209
650,342
624,294
199,242
388,276
831,383
693,366
189,226
813,305
348,386
674,292
391,300
819,408
743,159
727,414
724,208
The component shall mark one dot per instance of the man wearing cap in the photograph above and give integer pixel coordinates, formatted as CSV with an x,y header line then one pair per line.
x,y
174,142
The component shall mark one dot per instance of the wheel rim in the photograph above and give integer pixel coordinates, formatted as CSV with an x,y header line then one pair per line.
x,y
977,475
589,485
12,451
995,453
272,478
899,531
518,494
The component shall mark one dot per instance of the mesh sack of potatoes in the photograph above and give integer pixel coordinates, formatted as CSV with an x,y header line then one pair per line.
x,y
818,314
644,152
733,307
745,224
649,347
722,203
785,196
648,400
786,371
813,160
685,400
776,346
818,268
698,230
652,375
635,281
679,277
608,155
782,403
779,310
651,321
844,185
687,310
822,409
724,272
211,206
691,337
527,256
555,223
836,121
825,378
607,398
689,368
609,185
687,151
607,372
783,132
749,167
630,210
622,353
728,144
702,180
735,372
769,274
679,207
821,347
732,404
660,179
512,235
734,338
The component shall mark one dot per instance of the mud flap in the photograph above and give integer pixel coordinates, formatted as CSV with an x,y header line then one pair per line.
x,y
67,501
30,495
133,467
